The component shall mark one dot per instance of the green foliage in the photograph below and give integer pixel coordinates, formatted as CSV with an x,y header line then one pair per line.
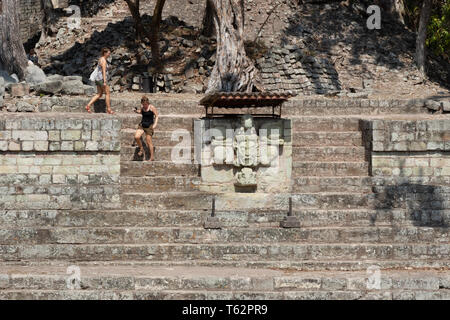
x,y
438,35
439,31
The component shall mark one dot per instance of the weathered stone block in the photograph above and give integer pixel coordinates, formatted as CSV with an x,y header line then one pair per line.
x,y
54,135
30,135
58,178
212,223
14,146
73,87
92,146
290,222
55,146
79,146
71,135
27,145
67,146
41,145
50,87
19,89
5,135
3,145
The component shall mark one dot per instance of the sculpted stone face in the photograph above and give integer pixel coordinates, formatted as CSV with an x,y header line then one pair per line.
x,y
246,143
247,121
246,177
246,153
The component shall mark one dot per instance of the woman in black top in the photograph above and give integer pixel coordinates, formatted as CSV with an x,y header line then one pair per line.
x,y
148,124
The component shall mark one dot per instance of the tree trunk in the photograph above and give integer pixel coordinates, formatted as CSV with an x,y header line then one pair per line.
x,y
154,33
12,53
233,71
142,32
135,13
397,9
425,14
208,20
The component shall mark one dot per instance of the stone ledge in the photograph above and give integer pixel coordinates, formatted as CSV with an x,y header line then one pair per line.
x,y
50,133
407,135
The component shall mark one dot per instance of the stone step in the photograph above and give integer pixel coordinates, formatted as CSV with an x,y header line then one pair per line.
x,y
183,282
165,105
227,252
313,184
302,151
224,295
396,218
165,123
243,201
326,139
312,168
343,110
189,235
163,153
188,103
279,264
159,184
160,138
327,144
356,184
330,123
328,154
157,168
346,106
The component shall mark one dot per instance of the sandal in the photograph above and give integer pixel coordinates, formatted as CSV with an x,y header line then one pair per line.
x,y
110,111
141,153
88,109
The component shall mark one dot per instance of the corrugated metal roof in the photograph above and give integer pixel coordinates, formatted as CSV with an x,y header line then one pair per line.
x,y
244,99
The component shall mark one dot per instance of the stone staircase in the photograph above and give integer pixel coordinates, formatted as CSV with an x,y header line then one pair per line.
x,y
160,225
141,282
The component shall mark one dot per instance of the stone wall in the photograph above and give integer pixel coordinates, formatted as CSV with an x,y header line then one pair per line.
x,y
291,68
30,15
52,162
410,165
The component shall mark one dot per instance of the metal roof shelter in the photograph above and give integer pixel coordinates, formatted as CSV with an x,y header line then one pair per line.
x,y
253,101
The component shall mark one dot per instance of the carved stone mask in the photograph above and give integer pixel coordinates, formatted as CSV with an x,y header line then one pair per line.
x,y
247,121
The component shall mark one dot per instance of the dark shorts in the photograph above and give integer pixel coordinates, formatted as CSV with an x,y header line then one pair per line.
x,y
100,83
148,131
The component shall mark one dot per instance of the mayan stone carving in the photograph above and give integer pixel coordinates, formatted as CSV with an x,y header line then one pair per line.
x,y
246,154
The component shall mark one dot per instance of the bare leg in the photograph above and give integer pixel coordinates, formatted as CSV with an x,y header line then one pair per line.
x,y
137,137
148,139
95,98
108,100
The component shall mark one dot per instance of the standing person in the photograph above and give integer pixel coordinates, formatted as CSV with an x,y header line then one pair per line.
x,y
148,125
100,77
33,57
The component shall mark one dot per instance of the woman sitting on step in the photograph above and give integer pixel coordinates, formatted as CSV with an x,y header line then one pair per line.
x,y
148,124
